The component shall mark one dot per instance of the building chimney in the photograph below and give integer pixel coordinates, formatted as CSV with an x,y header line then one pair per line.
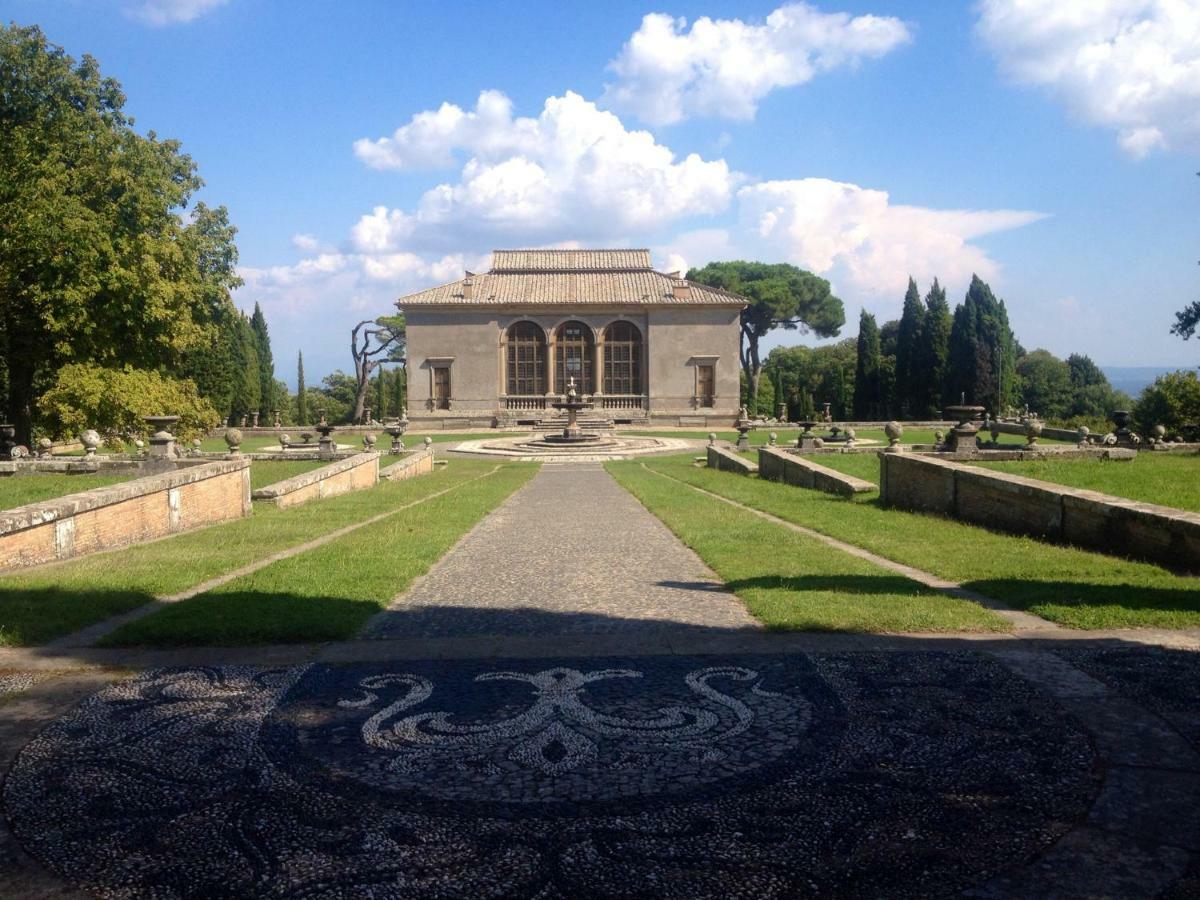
x,y
468,286
680,289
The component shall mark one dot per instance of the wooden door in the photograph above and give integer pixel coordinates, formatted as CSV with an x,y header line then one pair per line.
x,y
706,384
441,387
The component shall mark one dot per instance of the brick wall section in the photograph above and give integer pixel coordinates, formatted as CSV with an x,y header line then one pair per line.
x,y
138,510
419,463
353,474
775,464
1022,505
729,461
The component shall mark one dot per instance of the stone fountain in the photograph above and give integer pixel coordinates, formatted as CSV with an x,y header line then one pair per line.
x,y
162,442
572,434
962,436
325,446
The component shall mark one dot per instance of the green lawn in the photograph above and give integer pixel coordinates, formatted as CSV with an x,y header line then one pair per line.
x,y
40,604
268,471
787,436
19,490
1167,478
328,593
248,445
1073,587
793,582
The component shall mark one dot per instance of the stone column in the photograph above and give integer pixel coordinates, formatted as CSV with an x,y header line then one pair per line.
x,y
598,368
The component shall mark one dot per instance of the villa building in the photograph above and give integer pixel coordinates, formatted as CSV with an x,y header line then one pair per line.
x,y
497,348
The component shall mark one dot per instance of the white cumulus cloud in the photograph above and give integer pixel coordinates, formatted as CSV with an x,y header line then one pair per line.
x,y
172,12
668,72
1130,65
574,169
861,240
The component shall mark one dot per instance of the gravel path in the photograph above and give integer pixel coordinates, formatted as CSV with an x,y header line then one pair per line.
x,y
570,553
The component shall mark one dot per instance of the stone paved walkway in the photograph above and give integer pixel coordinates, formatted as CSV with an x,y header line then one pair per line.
x,y
570,553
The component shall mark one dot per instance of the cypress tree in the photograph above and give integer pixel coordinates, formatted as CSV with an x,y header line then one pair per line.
x,y
266,364
982,358
247,383
398,383
908,352
866,372
931,363
301,393
380,395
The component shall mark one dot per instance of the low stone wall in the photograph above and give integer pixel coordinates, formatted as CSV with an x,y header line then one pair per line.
x,y
128,513
729,461
1022,505
352,474
779,465
418,463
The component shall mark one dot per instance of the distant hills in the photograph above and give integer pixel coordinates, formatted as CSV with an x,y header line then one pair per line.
x,y
1131,379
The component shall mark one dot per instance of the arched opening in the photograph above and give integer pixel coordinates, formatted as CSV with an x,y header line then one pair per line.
x,y
573,354
526,359
622,359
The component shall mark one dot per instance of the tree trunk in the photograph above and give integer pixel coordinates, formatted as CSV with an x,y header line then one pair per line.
x,y
362,371
748,349
20,399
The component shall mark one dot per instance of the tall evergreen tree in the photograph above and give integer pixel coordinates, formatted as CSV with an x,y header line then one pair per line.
x,y
931,361
247,383
982,356
908,353
399,378
866,372
266,364
301,392
381,395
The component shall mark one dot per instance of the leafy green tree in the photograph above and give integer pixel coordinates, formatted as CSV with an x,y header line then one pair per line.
x,y
806,377
1093,398
931,361
780,296
908,353
373,342
866,372
1045,384
982,352
336,396
301,391
1173,401
114,402
96,264
266,363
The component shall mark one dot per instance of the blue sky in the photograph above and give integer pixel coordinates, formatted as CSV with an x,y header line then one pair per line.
x,y
1051,146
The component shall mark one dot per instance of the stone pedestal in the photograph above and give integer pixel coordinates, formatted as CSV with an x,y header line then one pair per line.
x,y
162,442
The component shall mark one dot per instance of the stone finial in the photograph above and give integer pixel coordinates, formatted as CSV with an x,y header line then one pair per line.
x,y
772,438
894,430
197,444
851,437
1033,430
44,446
428,442
233,438
369,441
90,438
285,441
712,438
1082,432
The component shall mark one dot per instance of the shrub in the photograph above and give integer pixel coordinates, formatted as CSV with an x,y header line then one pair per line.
x,y
113,401
1173,401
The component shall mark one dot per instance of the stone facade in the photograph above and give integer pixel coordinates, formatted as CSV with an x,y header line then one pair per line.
x,y
138,510
1022,505
644,346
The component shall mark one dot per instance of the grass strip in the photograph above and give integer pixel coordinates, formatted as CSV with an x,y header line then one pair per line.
x,y
1169,479
787,436
268,471
790,581
40,604
328,593
1073,587
20,490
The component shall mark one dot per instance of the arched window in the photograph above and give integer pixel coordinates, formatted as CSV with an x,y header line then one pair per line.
x,y
573,358
622,359
526,359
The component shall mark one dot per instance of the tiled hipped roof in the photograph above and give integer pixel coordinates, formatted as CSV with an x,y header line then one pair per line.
x,y
551,277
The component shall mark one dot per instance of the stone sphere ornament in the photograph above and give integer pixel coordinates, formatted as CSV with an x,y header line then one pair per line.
x,y
893,430
233,439
285,440
369,441
428,442
712,438
90,439
1033,430
196,446
772,438
44,446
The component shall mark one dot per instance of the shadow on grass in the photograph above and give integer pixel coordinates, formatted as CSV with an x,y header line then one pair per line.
x,y
1026,592
839,584
37,615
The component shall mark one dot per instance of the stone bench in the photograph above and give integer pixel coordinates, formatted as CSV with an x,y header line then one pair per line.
x,y
1020,505
775,464
352,474
729,461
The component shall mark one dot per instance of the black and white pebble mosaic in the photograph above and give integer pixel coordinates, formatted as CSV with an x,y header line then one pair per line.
x,y
897,774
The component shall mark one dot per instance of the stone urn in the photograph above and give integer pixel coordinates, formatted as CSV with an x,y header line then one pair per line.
x,y
963,435
233,440
395,430
90,439
807,440
306,436
44,446
1033,431
1121,418
325,444
285,441
894,431
162,442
